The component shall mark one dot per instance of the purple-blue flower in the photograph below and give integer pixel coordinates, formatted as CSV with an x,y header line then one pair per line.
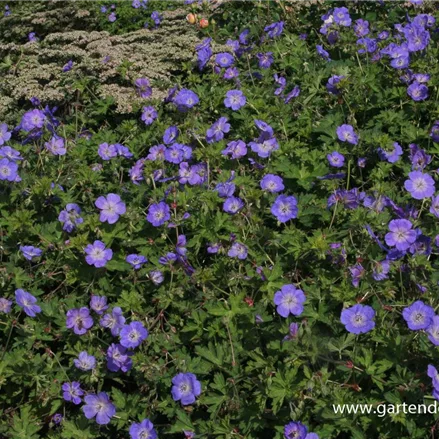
x,y
5,305
401,234
79,320
33,119
10,153
346,133
85,361
69,217
98,304
149,115
272,183
391,156
418,315
8,170
111,208
342,17
235,99
265,60
143,430
186,99
132,335
433,332
106,151
5,135
114,321
233,205
143,87
136,261
72,392
236,149
295,430
238,250
336,159
118,358
289,300
417,91
381,270
170,135
158,214
185,388
358,319
420,185
97,254
30,252
274,30
216,132
27,302
99,406
224,59
284,208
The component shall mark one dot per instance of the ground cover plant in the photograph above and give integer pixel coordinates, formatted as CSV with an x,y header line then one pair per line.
x,y
252,239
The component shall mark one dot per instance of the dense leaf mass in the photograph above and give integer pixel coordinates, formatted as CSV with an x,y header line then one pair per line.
x,y
232,255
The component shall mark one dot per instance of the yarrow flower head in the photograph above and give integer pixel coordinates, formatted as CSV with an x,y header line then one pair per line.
x,y
97,254
27,302
289,300
79,320
143,430
346,133
284,208
358,319
132,335
111,208
99,406
418,315
185,388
